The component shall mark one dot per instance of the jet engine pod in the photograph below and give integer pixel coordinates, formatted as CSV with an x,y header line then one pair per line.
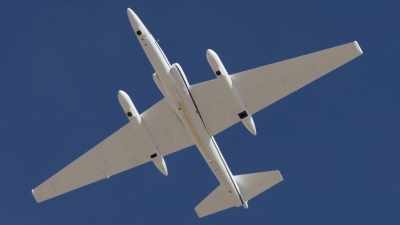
x,y
230,89
142,131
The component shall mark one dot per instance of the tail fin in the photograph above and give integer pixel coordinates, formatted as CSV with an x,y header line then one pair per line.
x,y
250,185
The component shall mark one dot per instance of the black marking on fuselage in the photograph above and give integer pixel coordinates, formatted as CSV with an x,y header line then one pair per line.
x,y
215,144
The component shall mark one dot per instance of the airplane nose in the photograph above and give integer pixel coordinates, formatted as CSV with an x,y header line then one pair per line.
x,y
131,12
134,19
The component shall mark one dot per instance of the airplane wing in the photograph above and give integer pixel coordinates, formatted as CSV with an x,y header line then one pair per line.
x,y
262,86
121,151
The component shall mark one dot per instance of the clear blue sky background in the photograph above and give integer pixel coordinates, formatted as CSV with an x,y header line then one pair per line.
x,y
336,141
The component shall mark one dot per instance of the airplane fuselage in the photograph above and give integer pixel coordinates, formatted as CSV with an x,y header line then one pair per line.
x,y
176,122
174,86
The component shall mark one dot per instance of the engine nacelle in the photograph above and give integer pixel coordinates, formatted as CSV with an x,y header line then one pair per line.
x,y
141,129
227,84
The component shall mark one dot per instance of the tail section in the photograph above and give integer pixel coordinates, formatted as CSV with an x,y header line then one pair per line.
x,y
250,185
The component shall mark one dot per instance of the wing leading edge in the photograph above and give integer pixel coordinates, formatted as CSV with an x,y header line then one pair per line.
x,y
262,86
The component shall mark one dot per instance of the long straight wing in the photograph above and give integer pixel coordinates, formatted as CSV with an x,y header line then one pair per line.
x,y
121,151
262,86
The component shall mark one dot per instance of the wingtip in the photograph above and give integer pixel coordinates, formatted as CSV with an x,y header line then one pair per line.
x,y
33,193
198,213
280,174
358,47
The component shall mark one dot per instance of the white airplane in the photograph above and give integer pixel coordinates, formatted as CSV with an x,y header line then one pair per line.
x,y
192,115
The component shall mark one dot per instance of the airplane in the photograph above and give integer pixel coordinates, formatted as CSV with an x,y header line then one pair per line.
x,y
192,115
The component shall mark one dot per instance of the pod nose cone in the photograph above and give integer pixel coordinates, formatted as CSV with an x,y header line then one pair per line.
x,y
125,101
122,96
211,54
213,59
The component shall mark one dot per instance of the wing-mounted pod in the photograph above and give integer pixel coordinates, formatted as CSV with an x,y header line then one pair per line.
x,y
141,129
226,83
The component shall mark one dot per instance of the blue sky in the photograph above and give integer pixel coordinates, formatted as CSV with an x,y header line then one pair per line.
x,y
336,141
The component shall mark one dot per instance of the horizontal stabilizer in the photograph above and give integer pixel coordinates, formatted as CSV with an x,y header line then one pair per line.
x,y
250,185
253,184
217,201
